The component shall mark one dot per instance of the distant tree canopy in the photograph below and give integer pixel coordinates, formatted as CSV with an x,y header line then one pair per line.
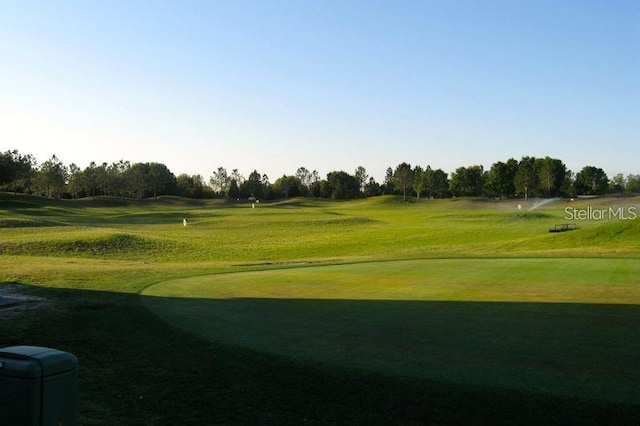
x,y
527,177
467,181
591,181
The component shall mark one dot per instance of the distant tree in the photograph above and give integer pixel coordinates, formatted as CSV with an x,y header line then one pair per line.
x,y
318,190
500,179
105,186
591,180
617,184
190,186
632,184
184,183
75,186
362,177
403,178
568,188
467,181
6,168
252,187
526,178
420,181
235,175
198,190
17,170
321,189
343,185
160,179
286,186
52,177
89,179
551,175
234,190
220,181
116,173
437,183
135,177
266,186
388,186
372,188
306,179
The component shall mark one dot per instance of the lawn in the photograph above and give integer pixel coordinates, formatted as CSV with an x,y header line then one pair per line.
x,y
374,310
558,326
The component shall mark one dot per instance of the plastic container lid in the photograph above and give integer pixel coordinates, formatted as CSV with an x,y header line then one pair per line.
x,y
34,361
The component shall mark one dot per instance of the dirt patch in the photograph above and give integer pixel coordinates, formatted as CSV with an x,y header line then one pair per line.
x,y
14,301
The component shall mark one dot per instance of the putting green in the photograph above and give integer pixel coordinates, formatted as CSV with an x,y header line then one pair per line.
x,y
559,326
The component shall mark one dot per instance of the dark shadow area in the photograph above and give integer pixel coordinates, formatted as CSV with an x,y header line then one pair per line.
x,y
136,369
576,350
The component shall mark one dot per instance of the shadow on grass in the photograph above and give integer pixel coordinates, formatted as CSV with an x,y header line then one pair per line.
x,y
136,369
574,350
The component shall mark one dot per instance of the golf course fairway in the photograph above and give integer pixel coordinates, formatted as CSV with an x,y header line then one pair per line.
x,y
559,326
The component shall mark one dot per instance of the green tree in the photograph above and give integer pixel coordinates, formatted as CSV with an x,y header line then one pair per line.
x,y
75,180
253,186
467,181
403,178
372,188
551,175
52,176
617,184
135,178
591,180
388,186
437,183
159,179
190,186
287,186
235,175
115,177
17,170
526,178
234,190
266,185
220,181
89,179
306,179
104,184
632,184
362,177
500,179
6,168
343,186
420,181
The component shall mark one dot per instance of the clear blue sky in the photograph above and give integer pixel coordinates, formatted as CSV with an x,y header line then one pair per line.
x,y
329,85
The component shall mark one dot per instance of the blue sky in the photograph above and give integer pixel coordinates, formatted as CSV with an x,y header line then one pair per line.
x,y
328,85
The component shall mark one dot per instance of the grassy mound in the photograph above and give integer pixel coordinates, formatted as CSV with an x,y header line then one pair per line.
x,y
106,245
26,223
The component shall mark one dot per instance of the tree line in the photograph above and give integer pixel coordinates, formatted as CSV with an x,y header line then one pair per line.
x,y
524,178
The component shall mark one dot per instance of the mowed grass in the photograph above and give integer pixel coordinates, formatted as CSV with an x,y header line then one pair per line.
x,y
559,326
306,230
318,310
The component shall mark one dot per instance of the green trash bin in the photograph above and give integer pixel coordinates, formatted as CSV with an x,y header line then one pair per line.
x,y
38,386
